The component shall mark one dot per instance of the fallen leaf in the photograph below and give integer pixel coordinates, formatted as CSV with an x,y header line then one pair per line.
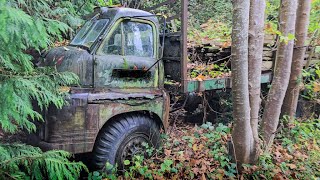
x,y
278,177
200,77
64,89
288,156
203,177
194,147
316,87
278,156
292,166
201,146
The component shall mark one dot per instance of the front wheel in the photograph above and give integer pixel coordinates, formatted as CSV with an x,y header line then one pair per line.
x,y
123,138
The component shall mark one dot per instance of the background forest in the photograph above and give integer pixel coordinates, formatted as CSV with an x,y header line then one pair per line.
x,y
29,27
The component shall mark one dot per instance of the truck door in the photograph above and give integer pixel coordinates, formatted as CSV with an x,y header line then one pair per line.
x,y
128,50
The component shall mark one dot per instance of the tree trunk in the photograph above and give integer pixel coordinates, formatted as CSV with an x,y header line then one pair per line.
x,y
291,99
242,133
256,39
270,119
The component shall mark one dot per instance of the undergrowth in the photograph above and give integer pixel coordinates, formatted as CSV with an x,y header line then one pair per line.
x,y
187,153
18,161
193,152
295,154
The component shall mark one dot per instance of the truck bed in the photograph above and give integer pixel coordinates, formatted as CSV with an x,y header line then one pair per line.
x,y
215,83
220,83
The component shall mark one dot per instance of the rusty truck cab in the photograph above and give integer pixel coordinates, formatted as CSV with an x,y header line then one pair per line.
x,y
115,55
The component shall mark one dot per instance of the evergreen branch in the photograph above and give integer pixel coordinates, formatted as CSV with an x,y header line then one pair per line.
x,y
29,161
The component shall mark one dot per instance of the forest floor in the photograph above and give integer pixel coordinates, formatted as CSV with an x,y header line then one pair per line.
x,y
204,151
192,151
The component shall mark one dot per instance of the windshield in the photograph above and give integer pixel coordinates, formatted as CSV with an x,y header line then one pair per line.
x,y
130,38
89,32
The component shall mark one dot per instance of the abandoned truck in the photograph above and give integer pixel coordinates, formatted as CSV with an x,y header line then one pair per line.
x,y
121,102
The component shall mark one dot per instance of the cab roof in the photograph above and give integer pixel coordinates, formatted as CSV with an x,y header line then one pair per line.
x,y
114,13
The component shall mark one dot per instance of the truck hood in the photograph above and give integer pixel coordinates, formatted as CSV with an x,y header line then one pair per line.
x,y
72,59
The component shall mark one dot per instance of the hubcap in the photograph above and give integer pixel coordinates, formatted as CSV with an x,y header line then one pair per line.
x,y
133,147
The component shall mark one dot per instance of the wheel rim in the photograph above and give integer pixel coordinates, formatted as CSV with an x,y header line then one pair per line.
x,y
133,146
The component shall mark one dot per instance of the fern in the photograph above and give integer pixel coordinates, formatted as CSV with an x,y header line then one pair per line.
x,y
19,161
18,91
26,25
20,81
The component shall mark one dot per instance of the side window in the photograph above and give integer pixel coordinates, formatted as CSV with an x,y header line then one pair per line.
x,y
113,45
138,39
130,39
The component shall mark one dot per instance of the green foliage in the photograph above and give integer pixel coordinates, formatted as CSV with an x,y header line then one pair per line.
x,y
201,152
19,161
311,83
49,11
204,71
95,176
295,155
18,91
314,17
105,3
203,10
272,13
272,10
200,12
217,32
125,64
20,81
27,27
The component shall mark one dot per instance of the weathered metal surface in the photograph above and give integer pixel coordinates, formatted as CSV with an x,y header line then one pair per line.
x,y
266,77
209,84
72,59
166,110
105,66
75,127
119,96
115,13
172,56
81,62
184,48
108,109
220,83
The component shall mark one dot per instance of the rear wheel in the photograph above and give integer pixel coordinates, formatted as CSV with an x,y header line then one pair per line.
x,y
123,138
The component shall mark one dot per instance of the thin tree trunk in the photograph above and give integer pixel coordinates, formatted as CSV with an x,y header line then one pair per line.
x,y
242,133
270,119
302,23
256,39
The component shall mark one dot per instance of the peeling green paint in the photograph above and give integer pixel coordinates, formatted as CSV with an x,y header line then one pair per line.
x,y
219,83
112,108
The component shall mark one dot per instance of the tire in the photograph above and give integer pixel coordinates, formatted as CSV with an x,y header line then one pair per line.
x,y
122,138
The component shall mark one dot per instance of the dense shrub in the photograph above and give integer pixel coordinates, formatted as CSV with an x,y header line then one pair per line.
x,y
30,26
